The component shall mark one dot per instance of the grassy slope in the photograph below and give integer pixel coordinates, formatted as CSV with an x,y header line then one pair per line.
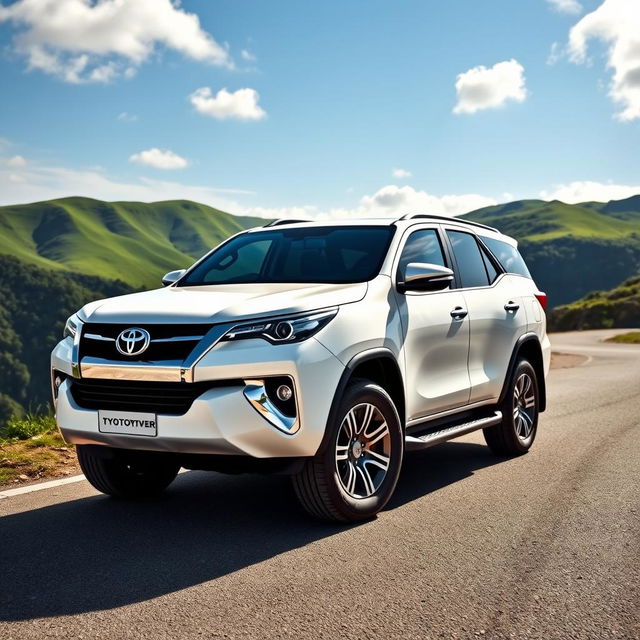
x,y
617,308
130,241
33,449
633,337
537,220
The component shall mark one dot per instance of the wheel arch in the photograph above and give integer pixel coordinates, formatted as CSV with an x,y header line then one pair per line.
x,y
378,365
528,347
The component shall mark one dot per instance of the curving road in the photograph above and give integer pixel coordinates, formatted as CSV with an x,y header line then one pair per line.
x,y
543,546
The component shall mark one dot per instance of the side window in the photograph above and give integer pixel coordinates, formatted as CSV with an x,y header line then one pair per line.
x,y
488,265
508,256
470,262
422,246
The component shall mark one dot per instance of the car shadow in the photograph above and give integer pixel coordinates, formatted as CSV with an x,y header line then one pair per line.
x,y
97,553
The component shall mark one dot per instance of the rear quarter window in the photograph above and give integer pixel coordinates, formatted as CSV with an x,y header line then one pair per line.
x,y
508,256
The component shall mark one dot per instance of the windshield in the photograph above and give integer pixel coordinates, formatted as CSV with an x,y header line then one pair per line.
x,y
315,254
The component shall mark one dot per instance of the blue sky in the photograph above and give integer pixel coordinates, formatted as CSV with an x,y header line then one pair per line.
x,y
351,107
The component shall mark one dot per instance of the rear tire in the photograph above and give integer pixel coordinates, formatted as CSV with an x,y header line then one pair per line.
x,y
127,474
354,475
520,408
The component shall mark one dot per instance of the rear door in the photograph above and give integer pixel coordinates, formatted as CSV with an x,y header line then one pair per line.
x,y
497,313
436,333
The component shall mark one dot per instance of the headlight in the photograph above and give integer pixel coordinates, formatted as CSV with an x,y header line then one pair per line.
x,y
283,330
70,327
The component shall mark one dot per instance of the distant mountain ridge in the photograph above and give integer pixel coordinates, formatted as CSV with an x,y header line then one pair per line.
x,y
133,242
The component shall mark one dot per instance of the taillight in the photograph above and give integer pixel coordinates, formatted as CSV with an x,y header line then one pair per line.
x,y
541,298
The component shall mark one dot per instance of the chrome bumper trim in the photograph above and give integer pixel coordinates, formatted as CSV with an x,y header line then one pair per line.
x,y
171,371
256,393
75,351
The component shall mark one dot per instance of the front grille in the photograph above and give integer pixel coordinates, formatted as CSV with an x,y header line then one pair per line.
x,y
167,398
156,351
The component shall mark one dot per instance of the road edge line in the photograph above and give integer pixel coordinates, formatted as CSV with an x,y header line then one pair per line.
x,y
8,493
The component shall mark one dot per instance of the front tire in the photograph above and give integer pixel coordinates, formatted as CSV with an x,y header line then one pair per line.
x,y
127,474
354,475
520,409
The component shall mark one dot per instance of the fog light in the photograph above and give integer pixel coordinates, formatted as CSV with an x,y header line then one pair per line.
x,y
284,392
57,381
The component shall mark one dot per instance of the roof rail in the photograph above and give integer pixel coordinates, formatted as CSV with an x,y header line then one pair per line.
x,y
411,216
277,223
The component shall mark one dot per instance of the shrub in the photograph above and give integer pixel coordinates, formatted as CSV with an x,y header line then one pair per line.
x,y
27,427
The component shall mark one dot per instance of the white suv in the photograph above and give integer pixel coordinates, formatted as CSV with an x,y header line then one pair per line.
x,y
320,350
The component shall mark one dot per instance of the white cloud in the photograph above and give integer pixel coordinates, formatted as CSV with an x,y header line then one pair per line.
x,y
588,191
98,40
247,55
393,200
617,23
388,202
39,182
401,173
159,159
127,117
241,104
482,88
16,162
566,6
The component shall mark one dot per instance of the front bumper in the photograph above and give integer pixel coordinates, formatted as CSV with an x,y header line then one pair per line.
x,y
228,418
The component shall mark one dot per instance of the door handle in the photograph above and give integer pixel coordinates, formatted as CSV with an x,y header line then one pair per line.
x,y
458,313
511,306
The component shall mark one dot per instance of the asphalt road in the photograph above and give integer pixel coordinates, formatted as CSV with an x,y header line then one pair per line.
x,y
542,546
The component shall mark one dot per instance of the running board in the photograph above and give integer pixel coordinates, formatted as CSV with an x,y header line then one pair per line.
x,y
413,443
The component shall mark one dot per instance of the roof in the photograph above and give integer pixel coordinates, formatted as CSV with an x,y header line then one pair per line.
x,y
406,220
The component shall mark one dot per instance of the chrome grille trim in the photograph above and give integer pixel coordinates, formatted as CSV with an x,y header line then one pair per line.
x,y
95,336
179,339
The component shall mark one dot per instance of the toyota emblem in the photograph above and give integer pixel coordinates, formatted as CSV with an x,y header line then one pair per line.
x,y
133,342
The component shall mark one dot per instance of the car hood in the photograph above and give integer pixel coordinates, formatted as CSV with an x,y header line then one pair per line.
x,y
220,303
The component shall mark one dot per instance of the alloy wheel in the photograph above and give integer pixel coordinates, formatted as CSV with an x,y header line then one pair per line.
x,y
363,450
524,407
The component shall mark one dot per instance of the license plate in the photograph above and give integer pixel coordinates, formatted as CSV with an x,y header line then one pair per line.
x,y
128,422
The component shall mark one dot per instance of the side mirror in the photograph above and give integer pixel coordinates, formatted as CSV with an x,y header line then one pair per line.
x,y
419,276
172,276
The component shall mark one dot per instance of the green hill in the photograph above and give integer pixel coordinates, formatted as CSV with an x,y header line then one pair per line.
x,y
617,308
572,249
129,241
